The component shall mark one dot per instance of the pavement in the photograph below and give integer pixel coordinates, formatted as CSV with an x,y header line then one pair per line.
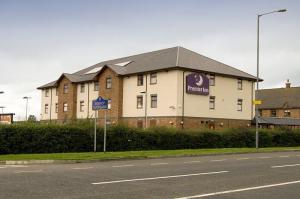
x,y
246,176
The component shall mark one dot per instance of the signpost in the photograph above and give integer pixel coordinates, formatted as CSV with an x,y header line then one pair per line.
x,y
100,104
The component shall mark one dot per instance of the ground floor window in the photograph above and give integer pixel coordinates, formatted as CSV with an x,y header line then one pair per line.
x,y
140,123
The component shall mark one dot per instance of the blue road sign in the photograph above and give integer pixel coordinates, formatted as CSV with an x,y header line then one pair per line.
x,y
100,103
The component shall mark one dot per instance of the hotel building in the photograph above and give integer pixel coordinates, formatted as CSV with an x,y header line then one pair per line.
x,y
170,87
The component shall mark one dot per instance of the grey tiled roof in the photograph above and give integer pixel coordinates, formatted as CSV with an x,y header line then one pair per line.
x,y
279,121
176,57
279,98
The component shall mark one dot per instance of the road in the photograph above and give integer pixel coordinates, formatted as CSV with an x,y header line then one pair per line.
x,y
247,176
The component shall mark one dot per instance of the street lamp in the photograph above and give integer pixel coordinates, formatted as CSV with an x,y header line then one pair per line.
x,y
257,77
1,92
27,98
2,107
146,115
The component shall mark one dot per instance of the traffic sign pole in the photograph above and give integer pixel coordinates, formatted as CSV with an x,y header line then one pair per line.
x,y
95,133
104,137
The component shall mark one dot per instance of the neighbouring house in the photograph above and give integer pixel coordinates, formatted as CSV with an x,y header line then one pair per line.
x,y
6,118
169,87
280,106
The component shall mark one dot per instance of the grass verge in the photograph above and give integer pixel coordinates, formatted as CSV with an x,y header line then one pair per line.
x,y
140,154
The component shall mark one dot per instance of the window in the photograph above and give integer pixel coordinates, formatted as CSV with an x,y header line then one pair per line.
x,y
47,93
96,86
287,113
56,107
240,84
56,91
153,78
65,108
273,113
212,101
212,80
81,106
139,102
153,101
82,88
46,108
140,123
239,104
153,122
260,112
108,83
140,80
66,88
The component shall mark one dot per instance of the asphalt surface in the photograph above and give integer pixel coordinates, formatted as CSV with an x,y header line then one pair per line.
x,y
247,176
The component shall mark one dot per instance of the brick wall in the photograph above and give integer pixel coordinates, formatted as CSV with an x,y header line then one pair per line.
x,y
189,122
69,98
115,94
295,113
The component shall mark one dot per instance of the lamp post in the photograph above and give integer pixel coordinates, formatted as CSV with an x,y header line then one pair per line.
x,y
146,114
257,76
2,107
26,98
1,92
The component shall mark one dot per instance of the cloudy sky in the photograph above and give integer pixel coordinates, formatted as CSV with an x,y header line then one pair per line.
x,y
41,39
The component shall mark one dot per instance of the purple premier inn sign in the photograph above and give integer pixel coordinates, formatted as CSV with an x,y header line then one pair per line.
x,y
197,83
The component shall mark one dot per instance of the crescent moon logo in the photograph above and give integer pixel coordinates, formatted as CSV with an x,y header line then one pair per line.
x,y
200,82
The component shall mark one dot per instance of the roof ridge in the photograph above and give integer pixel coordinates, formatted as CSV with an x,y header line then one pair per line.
x,y
216,61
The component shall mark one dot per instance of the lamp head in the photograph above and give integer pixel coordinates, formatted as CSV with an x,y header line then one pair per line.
x,y
282,10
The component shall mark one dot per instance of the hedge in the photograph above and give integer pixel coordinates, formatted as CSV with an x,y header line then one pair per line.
x,y
33,138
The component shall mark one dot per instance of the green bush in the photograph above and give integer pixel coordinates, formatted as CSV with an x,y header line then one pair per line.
x,y
79,137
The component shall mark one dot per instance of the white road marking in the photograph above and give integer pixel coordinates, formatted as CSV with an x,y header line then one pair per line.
x,y
158,163
32,171
161,177
242,158
264,157
287,165
82,168
17,166
284,156
239,190
219,160
125,165
190,162
12,166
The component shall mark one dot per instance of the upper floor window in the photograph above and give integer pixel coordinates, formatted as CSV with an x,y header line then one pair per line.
x,y
65,107
96,86
287,113
212,102
273,113
46,108
240,84
212,80
153,78
47,93
56,107
153,101
66,88
56,91
239,105
108,83
81,108
140,80
82,88
139,101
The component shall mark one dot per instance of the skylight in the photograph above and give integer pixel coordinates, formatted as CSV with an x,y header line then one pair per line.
x,y
123,63
94,70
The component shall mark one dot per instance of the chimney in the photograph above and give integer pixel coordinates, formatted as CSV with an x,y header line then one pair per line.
x,y
287,84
